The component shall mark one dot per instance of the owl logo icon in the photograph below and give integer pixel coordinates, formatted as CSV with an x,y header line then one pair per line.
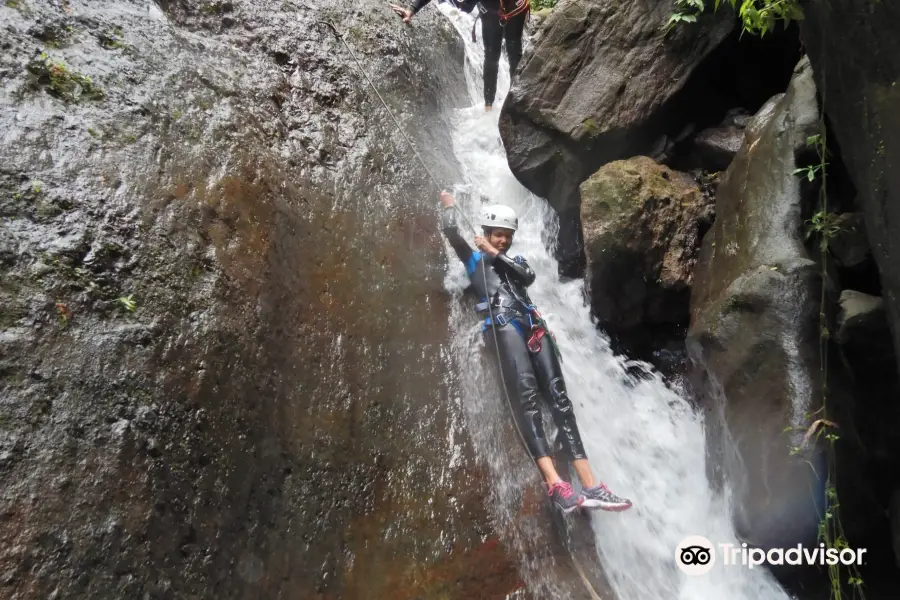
x,y
695,555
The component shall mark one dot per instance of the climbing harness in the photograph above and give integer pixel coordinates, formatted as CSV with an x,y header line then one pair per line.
x,y
503,14
517,313
579,569
538,331
520,7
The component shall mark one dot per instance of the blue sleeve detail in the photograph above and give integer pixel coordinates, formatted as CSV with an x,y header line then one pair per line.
x,y
472,262
519,260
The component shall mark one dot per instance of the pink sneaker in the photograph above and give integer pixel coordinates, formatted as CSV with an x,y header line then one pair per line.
x,y
564,497
600,497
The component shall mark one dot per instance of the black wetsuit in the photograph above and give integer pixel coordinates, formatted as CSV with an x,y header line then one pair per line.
x,y
527,374
494,32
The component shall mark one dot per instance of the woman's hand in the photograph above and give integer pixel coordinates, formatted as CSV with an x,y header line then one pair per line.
x,y
485,246
407,15
447,200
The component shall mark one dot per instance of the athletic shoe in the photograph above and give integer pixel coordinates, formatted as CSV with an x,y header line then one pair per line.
x,y
600,497
564,497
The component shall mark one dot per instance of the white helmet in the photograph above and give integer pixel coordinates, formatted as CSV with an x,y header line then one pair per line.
x,y
497,215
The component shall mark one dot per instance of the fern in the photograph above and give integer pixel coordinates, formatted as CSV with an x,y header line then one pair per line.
x,y
758,17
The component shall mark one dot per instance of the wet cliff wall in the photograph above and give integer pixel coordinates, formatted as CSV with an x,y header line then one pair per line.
x,y
219,278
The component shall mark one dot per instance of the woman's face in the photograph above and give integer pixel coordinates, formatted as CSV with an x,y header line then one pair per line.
x,y
500,238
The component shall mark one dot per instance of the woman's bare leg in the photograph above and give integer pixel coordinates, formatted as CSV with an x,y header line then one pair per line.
x,y
548,470
584,473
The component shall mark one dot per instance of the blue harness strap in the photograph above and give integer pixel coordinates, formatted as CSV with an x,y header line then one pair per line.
x,y
472,263
500,320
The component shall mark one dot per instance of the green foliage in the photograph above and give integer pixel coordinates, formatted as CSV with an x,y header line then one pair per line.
x,y
542,4
591,127
61,81
128,302
63,312
112,39
687,11
825,225
808,172
818,142
757,16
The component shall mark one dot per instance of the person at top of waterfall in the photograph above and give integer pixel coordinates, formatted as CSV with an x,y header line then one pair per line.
x,y
500,20
529,363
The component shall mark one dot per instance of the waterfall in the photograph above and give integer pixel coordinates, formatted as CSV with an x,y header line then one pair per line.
x,y
642,437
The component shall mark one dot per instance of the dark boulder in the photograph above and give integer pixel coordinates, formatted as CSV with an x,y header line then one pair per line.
x,y
862,325
642,224
855,52
596,89
895,524
869,447
715,147
754,333
850,245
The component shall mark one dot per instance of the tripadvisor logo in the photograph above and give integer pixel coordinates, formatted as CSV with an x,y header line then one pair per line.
x,y
696,555
733,554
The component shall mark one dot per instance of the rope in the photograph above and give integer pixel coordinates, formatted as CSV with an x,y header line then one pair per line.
x,y
458,210
331,26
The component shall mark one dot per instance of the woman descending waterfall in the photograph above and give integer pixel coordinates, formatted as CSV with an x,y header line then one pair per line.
x,y
500,20
528,359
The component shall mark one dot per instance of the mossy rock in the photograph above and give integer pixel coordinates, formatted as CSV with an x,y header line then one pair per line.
x,y
63,82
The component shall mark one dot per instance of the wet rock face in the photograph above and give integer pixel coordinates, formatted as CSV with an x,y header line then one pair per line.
x,y
642,225
862,100
754,333
895,524
218,376
716,147
862,317
861,95
596,88
869,449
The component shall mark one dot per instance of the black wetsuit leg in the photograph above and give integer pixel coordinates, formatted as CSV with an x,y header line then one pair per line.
x,y
521,385
512,33
550,379
492,34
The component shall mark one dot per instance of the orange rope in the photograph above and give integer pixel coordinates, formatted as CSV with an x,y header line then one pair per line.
x,y
505,16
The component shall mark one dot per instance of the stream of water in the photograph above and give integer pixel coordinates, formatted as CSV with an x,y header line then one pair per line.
x,y
643,438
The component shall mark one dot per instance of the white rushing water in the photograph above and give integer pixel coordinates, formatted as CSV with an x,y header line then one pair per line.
x,y
643,439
